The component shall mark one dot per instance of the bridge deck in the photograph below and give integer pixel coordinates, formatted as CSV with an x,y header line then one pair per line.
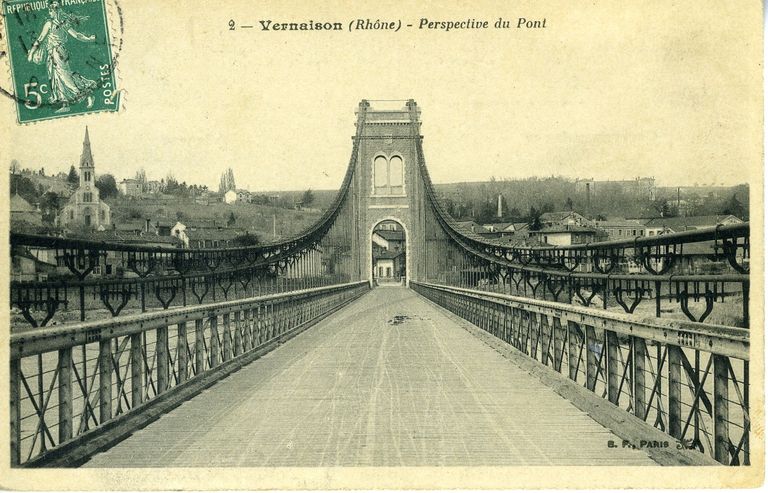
x,y
365,387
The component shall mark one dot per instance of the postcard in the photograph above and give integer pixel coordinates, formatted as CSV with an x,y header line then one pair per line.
x,y
382,245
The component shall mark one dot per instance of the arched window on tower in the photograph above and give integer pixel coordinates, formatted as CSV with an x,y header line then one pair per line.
x,y
380,182
388,175
396,175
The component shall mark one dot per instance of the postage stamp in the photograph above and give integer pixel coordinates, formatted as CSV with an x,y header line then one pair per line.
x,y
61,58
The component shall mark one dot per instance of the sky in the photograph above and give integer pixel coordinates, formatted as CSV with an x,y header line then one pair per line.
x,y
607,90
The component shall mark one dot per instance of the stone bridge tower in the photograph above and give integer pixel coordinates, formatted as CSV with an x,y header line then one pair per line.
x,y
387,182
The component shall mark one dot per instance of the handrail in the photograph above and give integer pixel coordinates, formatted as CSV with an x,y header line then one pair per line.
x,y
689,380
722,339
46,339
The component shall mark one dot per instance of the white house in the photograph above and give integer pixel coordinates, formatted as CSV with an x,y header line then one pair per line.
x,y
230,197
179,230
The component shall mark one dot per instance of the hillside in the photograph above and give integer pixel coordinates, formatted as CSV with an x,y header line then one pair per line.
x,y
254,218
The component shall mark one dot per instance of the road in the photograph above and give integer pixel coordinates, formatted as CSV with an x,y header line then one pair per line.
x,y
389,380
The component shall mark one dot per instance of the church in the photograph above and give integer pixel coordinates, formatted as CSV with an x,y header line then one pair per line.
x,y
84,207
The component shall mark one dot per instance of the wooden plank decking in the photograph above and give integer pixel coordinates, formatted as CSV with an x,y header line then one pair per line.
x,y
366,387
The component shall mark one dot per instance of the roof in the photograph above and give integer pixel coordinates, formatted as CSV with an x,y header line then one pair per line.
x,y
498,226
468,225
620,223
387,255
19,204
390,235
557,216
682,223
134,225
566,228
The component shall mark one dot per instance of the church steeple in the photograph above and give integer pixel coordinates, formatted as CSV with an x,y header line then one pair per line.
x,y
86,159
87,168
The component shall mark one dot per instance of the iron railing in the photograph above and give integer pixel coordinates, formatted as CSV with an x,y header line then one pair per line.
x,y
623,273
68,380
688,379
159,277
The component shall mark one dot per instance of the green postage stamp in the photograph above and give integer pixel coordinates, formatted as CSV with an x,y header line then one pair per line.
x,y
61,58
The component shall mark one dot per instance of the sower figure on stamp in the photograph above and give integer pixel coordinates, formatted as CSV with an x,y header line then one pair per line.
x,y
67,87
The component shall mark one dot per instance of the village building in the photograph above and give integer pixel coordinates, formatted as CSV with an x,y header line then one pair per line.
x,y
665,225
24,212
622,229
26,267
564,218
391,240
243,196
388,251
230,197
84,207
130,187
564,235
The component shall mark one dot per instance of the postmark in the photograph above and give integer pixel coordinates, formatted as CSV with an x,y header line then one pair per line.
x,y
60,54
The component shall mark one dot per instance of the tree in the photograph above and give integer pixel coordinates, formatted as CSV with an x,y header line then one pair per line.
x,y
23,186
568,204
734,206
73,179
227,181
486,213
141,177
173,187
534,221
246,240
231,220
15,167
307,198
514,213
107,186
50,205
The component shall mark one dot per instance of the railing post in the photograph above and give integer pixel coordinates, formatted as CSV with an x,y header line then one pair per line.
x,y
105,380
15,411
65,394
546,339
181,351
560,338
238,347
574,346
638,361
535,331
199,346
161,351
613,366
590,345
675,391
137,371
227,338
214,323
722,439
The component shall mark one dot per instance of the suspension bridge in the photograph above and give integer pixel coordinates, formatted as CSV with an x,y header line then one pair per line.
x,y
290,353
